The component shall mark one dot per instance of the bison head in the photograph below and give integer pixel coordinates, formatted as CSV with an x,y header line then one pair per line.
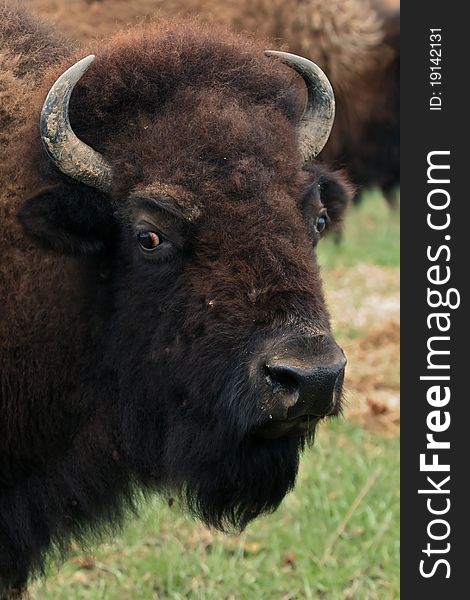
x,y
181,182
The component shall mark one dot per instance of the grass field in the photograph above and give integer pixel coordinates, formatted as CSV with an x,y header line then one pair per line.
x,y
336,535
371,236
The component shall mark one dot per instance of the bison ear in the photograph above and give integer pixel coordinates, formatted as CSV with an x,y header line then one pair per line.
x,y
70,219
336,195
336,192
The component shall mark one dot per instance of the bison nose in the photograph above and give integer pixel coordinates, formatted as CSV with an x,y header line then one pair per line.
x,y
305,383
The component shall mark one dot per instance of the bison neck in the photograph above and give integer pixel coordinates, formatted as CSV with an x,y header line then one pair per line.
x,y
47,343
59,468
60,501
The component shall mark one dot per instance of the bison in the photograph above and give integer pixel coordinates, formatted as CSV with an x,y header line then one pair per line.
x,y
163,326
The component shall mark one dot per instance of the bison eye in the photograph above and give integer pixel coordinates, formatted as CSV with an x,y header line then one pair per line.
x,y
149,240
321,222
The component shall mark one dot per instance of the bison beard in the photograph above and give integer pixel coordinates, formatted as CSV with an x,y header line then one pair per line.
x,y
125,369
223,471
252,479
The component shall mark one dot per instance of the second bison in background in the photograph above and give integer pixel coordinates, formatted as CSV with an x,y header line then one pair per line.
x,y
163,325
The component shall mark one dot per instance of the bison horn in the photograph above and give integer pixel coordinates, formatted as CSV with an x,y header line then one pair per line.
x,y
72,156
319,114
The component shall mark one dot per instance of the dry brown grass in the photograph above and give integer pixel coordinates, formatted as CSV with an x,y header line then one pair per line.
x,y
365,303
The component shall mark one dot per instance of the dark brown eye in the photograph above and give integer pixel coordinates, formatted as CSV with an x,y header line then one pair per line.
x,y
149,240
321,222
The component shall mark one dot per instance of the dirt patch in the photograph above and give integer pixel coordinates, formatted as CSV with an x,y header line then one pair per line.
x,y
374,380
363,297
365,304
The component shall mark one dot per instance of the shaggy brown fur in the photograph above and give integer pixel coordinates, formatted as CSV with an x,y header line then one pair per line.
x,y
122,371
356,42
23,59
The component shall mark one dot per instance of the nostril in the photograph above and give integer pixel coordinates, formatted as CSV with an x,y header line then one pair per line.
x,y
301,388
280,378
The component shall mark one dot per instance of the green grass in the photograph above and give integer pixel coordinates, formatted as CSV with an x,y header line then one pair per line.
x,y
371,235
335,537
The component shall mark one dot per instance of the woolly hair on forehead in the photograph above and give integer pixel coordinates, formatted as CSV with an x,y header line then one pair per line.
x,y
139,72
